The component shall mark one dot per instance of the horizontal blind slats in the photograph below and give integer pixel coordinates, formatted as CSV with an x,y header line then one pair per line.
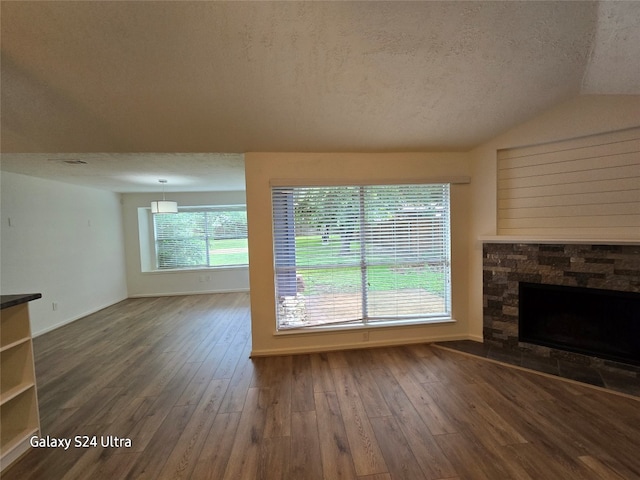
x,y
197,237
360,250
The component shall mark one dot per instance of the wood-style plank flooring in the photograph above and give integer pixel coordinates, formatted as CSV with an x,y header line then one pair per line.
x,y
173,375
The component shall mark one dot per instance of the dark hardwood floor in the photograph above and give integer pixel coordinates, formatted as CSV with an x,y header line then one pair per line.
x,y
173,376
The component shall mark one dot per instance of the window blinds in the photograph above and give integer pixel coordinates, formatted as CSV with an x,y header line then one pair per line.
x,y
361,254
201,238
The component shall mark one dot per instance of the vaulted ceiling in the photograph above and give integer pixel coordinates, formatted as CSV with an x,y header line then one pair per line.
x,y
231,77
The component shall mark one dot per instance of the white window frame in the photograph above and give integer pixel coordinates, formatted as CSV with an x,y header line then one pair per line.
x,y
285,259
208,264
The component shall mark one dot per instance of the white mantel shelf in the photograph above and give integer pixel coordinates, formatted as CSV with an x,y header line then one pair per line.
x,y
556,240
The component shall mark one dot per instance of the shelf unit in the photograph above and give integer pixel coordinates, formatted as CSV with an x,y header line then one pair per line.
x,y
19,419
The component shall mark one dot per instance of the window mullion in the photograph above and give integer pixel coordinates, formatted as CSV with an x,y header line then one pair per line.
x,y
206,238
156,243
363,258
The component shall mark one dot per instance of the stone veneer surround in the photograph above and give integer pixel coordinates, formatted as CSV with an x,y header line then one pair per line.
x,y
612,267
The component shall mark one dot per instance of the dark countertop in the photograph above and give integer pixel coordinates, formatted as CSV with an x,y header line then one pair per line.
x,y
13,300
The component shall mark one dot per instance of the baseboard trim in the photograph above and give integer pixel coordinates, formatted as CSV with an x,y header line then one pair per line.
x,y
76,317
177,294
269,352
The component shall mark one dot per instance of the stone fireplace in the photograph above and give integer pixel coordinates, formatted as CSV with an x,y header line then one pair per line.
x,y
604,267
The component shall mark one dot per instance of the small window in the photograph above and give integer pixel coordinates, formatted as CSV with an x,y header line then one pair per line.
x,y
201,237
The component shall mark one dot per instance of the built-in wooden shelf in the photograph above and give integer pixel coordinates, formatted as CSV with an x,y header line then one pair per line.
x,y
16,370
19,418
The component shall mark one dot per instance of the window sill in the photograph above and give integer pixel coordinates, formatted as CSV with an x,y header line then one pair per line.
x,y
195,270
316,329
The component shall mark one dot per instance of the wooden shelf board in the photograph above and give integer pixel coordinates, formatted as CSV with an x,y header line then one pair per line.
x,y
15,391
14,344
17,436
18,446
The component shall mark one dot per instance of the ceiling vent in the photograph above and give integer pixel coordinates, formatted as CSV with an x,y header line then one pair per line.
x,y
68,161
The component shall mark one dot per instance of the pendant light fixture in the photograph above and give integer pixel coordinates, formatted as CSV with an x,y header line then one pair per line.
x,y
164,206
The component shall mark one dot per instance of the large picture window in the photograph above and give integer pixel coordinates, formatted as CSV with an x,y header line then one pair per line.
x,y
199,237
361,254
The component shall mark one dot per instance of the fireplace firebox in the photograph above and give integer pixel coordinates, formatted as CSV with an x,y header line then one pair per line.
x,y
589,321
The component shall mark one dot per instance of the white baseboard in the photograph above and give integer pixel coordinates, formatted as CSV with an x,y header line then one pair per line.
x,y
355,345
74,318
176,294
97,309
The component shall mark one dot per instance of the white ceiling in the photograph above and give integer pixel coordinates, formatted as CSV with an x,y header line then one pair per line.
x,y
135,172
135,88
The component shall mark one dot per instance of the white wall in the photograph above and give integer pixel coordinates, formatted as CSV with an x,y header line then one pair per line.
x,y
141,283
63,241
584,115
588,186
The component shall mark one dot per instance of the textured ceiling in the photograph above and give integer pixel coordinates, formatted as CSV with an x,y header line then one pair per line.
x,y
123,77
134,172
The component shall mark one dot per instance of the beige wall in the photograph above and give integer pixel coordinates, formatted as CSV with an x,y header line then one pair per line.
x,y
263,169
142,282
585,115
474,209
